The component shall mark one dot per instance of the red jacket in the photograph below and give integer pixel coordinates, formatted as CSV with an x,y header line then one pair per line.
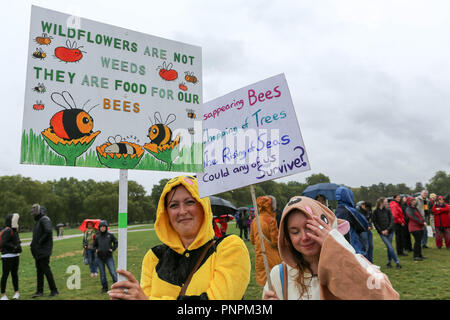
x,y
216,230
397,212
441,215
416,221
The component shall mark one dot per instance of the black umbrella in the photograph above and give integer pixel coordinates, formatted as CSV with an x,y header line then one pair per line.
x,y
221,206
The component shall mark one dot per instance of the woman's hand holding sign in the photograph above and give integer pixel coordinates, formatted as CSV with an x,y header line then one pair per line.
x,y
127,290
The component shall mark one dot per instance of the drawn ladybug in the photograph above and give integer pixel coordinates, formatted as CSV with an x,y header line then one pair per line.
x,y
182,86
167,73
38,105
70,53
72,122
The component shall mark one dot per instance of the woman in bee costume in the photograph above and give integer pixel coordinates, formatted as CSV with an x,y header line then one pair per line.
x,y
191,263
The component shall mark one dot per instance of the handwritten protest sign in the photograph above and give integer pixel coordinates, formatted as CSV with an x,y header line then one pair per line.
x,y
102,96
251,135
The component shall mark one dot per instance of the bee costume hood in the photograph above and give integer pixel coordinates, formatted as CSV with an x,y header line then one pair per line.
x,y
223,272
164,230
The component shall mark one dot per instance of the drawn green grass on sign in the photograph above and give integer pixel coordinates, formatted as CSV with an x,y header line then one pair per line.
x,y
34,150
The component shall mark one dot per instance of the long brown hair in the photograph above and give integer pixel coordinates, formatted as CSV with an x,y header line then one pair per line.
x,y
380,201
301,264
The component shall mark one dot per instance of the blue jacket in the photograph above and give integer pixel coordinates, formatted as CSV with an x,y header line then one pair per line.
x,y
358,223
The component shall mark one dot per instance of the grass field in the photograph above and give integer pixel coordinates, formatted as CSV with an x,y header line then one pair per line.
x,y
425,280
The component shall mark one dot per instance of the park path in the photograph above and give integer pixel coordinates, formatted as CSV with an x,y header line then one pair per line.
x,y
55,238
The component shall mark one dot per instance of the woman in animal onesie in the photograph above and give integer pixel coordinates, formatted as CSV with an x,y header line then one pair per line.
x,y
320,263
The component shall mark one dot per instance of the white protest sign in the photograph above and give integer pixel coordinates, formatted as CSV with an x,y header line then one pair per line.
x,y
251,135
102,96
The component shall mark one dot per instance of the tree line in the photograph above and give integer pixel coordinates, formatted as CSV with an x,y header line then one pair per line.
x,y
439,184
70,201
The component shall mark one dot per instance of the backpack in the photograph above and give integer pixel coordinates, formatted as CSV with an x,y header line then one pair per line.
x,y
360,222
1,236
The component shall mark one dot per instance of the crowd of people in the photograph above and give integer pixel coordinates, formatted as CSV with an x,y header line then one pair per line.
x,y
407,217
306,251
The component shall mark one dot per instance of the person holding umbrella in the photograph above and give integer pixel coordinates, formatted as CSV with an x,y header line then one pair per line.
x,y
88,245
358,223
322,199
223,211
223,221
327,190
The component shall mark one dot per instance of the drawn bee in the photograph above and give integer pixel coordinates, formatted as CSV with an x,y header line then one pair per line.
x,y
117,146
191,114
44,40
189,77
39,54
72,122
191,130
159,133
40,88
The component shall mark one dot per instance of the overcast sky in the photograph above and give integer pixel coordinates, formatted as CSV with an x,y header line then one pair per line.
x,y
370,80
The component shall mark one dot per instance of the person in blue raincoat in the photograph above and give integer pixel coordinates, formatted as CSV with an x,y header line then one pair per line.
x,y
358,223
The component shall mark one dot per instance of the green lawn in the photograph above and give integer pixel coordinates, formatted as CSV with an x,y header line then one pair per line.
x,y
416,280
